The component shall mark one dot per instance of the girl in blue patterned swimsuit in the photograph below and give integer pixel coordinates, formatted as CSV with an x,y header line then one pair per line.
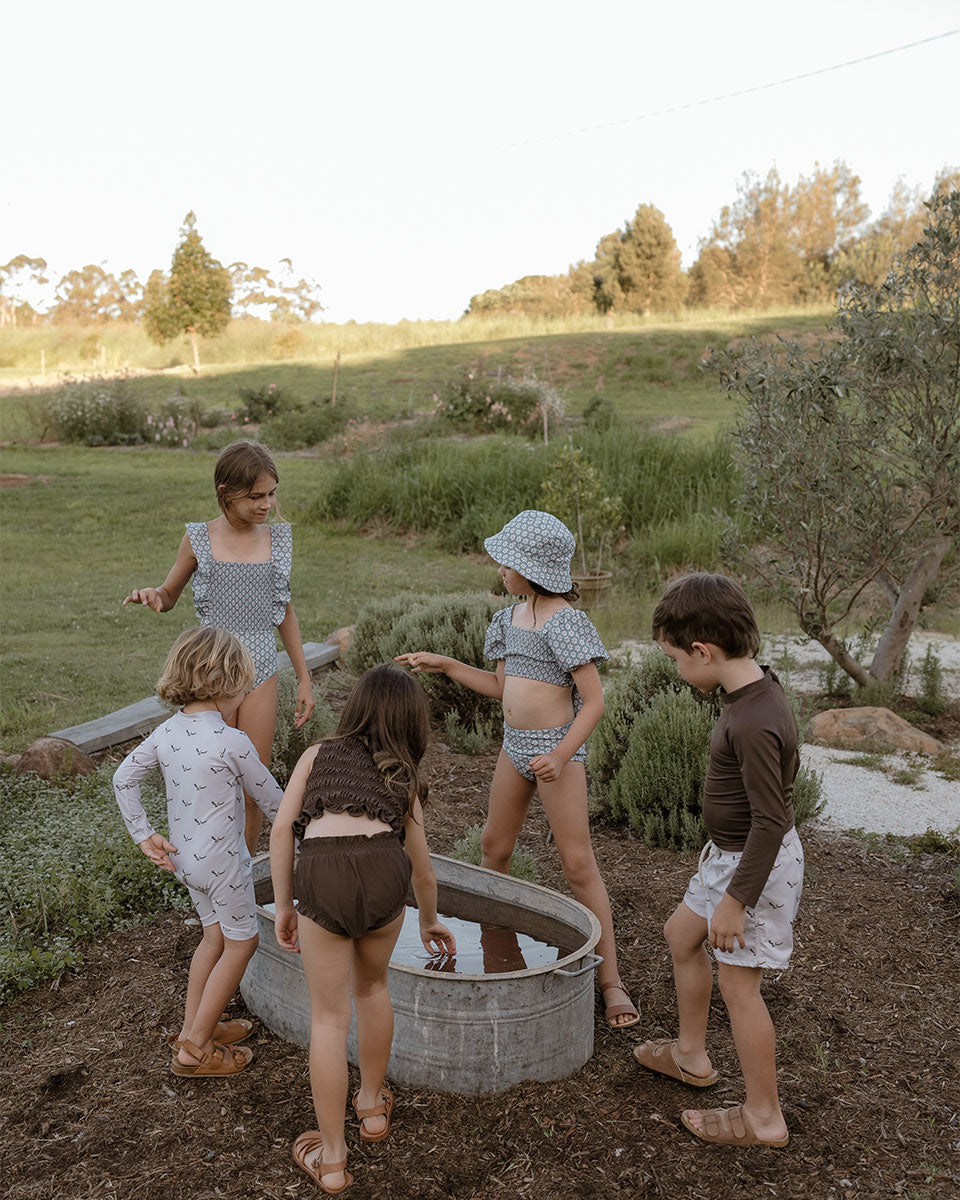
x,y
546,676
241,582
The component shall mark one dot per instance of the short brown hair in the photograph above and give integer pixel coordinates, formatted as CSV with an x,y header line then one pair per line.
x,y
388,710
204,663
238,468
707,608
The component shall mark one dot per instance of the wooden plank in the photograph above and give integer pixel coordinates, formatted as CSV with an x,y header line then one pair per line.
x,y
136,720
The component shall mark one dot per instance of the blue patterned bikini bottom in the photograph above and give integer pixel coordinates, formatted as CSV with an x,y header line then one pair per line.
x,y
523,744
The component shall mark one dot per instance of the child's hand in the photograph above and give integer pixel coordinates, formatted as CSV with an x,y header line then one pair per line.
x,y
158,849
305,705
547,767
149,596
433,664
285,926
726,927
437,939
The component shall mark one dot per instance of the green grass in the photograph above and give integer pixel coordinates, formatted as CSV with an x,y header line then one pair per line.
x,y
648,367
109,520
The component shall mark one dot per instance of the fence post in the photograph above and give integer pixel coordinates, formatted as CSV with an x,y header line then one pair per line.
x,y
336,368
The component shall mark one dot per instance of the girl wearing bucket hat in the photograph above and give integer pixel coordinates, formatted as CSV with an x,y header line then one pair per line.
x,y
546,655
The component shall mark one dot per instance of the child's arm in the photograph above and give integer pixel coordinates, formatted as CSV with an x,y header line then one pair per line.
x,y
126,788
282,841
435,936
164,597
289,629
487,683
547,767
253,776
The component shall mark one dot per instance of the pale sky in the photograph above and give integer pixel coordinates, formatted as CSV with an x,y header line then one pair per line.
x,y
409,155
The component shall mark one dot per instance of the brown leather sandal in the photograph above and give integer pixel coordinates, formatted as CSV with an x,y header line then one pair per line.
x,y
383,1109
728,1127
619,1010
660,1056
228,1032
305,1144
222,1060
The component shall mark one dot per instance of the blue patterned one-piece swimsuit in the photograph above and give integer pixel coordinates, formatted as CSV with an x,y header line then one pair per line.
x,y
249,599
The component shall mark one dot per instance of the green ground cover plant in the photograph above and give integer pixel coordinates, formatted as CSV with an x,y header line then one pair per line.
x,y
69,872
468,849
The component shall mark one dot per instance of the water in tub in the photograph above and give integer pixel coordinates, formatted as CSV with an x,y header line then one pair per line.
x,y
481,949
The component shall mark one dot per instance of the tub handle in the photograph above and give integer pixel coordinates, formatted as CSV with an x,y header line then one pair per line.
x,y
597,959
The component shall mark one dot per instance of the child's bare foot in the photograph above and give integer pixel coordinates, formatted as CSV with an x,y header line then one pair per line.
x,y
374,1116
737,1126
308,1154
619,1009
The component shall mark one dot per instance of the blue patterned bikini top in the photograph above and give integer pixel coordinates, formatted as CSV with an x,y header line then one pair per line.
x,y
566,640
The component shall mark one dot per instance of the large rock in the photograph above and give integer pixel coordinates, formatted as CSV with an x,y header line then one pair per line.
x,y
869,729
51,756
341,638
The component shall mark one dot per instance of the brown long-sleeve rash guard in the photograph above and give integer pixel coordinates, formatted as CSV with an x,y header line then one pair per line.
x,y
748,794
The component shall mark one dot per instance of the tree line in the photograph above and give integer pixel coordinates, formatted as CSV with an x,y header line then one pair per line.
x,y
775,244
92,295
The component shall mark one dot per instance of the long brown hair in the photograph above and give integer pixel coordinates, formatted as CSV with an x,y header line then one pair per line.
x,y
388,710
238,468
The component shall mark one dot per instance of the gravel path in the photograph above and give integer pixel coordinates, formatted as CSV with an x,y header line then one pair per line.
x,y
858,797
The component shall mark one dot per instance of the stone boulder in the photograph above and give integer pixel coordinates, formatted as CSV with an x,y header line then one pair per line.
x,y
341,638
869,729
51,756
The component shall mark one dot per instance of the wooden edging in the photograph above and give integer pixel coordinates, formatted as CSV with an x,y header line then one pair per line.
x,y
138,719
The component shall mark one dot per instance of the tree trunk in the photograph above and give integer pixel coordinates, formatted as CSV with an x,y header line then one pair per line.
x,y
840,654
907,608
196,350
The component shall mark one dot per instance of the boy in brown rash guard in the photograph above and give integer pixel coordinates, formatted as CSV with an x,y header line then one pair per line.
x,y
745,894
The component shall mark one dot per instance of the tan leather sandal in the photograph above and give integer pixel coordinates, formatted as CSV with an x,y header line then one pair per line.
x,y
228,1032
221,1060
383,1109
619,1010
305,1145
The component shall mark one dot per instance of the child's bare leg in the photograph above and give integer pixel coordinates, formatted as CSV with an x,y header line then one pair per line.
x,y
756,1043
327,960
257,717
693,975
368,982
205,958
510,796
221,984
565,803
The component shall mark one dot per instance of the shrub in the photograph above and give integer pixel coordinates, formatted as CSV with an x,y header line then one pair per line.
x,y
659,785
468,741
175,422
468,849
289,741
648,756
374,621
257,404
514,404
69,872
298,429
101,412
454,626
601,414
834,680
932,698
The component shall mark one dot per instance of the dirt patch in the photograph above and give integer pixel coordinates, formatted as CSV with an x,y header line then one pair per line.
x,y
23,480
673,424
866,1018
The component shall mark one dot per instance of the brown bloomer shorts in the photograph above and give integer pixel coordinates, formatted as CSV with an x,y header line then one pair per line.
x,y
352,885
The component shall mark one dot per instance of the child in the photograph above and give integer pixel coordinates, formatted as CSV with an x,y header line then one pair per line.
x,y
205,764
745,894
546,675
241,582
351,801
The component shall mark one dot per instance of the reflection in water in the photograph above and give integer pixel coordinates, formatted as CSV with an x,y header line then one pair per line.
x,y
481,949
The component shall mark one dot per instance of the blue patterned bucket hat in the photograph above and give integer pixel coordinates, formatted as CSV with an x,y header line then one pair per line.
x,y
537,546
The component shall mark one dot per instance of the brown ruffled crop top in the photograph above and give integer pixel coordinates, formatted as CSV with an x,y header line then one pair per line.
x,y
344,778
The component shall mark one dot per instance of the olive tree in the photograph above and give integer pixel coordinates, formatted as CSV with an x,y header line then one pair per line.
x,y
851,455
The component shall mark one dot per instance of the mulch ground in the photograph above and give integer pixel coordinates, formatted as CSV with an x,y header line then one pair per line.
x,y
867,1020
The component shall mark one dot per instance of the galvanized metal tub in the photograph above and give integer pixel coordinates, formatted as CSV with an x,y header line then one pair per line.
x,y
466,1034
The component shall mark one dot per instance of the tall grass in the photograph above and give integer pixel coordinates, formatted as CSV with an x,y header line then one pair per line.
x,y
120,345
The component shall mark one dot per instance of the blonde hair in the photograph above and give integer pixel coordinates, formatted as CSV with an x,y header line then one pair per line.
x,y
238,468
204,663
